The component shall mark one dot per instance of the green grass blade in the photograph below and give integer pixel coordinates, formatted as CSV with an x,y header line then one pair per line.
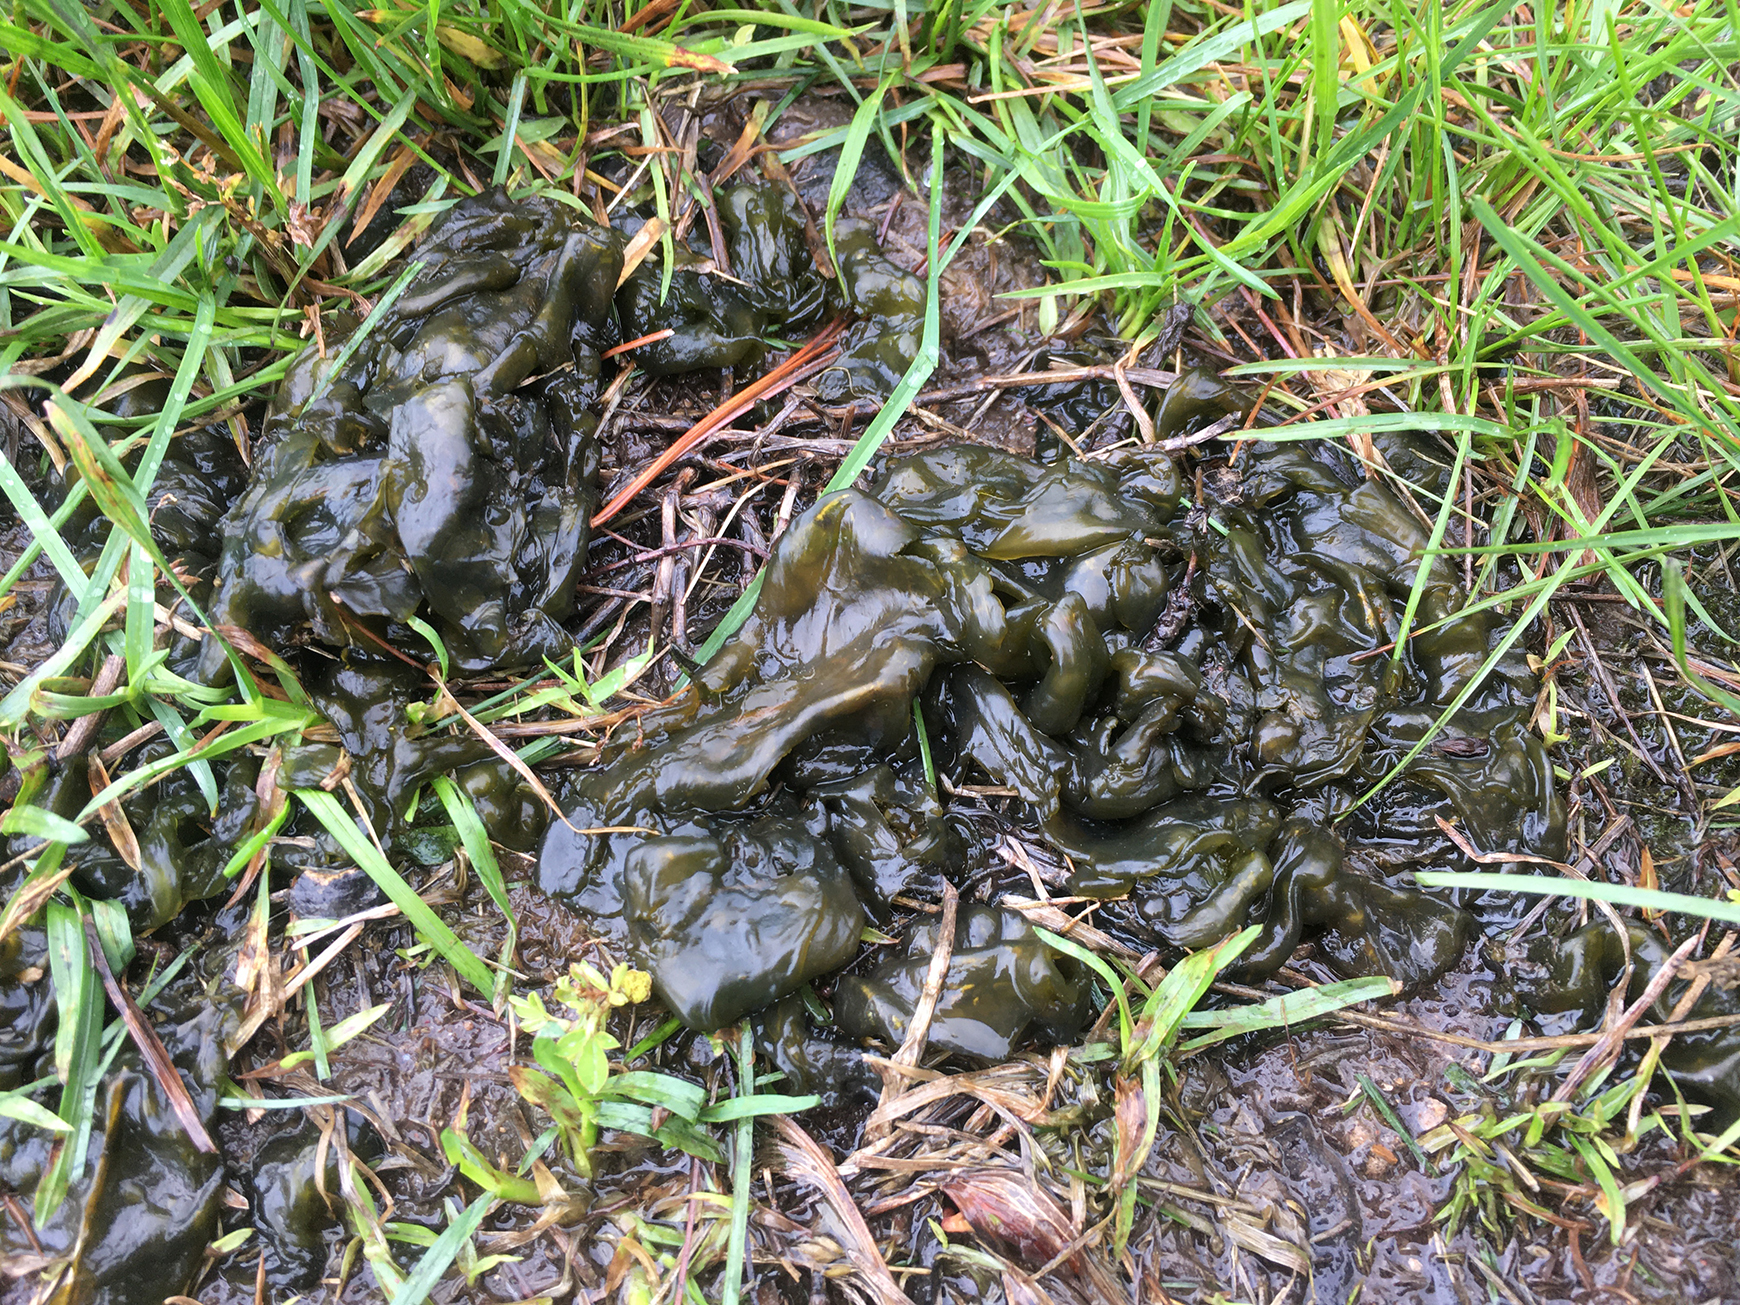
x,y
1648,899
429,926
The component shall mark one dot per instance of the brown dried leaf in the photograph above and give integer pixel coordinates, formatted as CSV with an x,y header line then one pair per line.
x,y
401,163
1010,1207
30,895
639,246
114,819
151,1049
1131,1116
1019,1289
807,1163
1007,1089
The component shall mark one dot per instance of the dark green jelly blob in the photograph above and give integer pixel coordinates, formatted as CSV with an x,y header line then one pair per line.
x,y
889,830
813,1059
183,847
292,1213
731,915
1074,405
1368,927
296,1204
1003,985
446,468
1194,865
28,1014
1572,977
367,698
722,317
1195,400
719,317
1182,751
139,1214
875,350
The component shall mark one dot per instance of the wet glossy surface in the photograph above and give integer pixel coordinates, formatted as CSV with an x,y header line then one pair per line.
x,y
1570,977
1002,986
415,476
138,1216
182,846
732,914
1025,609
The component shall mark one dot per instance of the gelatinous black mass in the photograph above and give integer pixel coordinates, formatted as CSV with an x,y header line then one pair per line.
x,y
1018,607
415,471
1184,705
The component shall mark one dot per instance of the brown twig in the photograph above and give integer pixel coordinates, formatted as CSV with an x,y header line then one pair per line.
x,y
1607,686
1152,377
1607,1046
85,726
151,1048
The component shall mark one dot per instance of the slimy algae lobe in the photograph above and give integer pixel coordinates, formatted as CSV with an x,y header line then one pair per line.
x,y
443,464
1020,608
408,473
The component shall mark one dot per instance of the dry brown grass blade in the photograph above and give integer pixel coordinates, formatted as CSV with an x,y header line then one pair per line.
x,y
401,164
1499,858
1130,1116
805,362
1138,413
918,1032
29,897
115,821
742,147
151,1048
804,1161
1049,915
502,750
1004,1088
636,343
640,244
294,984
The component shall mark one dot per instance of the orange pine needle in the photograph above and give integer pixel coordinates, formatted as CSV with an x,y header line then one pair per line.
x,y
626,345
814,356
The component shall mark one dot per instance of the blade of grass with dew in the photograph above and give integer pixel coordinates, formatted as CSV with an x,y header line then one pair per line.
x,y
335,1037
1286,1011
758,1106
17,1104
317,1043
1674,594
1177,994
1424,565
77,1046
462,812
858,132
